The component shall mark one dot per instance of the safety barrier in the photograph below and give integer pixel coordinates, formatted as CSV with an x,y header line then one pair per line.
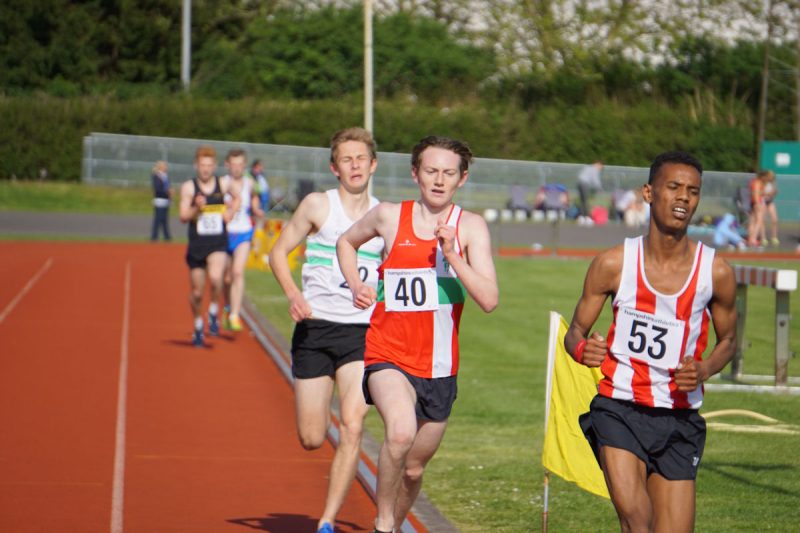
x,y
783,282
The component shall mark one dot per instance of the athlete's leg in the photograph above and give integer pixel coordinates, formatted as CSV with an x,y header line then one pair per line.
x,y
238,262
394,398
673,504
197,284
353,409
215,265
426,443
626,478
312,399
772,214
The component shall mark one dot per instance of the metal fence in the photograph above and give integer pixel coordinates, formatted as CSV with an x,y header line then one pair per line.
x,y
127,160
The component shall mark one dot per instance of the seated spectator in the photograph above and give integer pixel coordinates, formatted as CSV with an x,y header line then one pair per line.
x,y
630,208
637,213
518,200
552,197
726,233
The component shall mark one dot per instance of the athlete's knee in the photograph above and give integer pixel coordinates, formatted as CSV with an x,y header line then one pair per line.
x,y
350,431
216,281
312,437
634,519
413,473
399,442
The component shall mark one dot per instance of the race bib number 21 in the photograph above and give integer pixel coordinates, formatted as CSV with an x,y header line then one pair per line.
x,y
412,289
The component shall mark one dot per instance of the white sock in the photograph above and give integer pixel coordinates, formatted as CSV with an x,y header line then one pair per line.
x,y
213,307
198,323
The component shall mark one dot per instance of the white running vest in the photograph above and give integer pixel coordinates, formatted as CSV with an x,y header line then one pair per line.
x,y
652,332
241,221
324,287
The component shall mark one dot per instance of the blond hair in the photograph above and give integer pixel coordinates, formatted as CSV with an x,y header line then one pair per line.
x,y
353,134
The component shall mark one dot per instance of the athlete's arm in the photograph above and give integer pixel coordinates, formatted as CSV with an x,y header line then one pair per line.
x,y
476,269
691,372
602,279
255,200
187,209
368,227
229,188
298,228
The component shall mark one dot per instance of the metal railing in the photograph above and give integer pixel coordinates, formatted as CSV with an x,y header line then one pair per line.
x,y
127,160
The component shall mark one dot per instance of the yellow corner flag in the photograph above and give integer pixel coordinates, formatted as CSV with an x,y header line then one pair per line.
x,y
570,388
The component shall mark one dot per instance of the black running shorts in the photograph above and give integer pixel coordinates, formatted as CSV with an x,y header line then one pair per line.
x,y
435,396
669,441
320,347
197,254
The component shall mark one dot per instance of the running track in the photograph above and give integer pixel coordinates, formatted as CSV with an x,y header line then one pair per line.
x,y
112,421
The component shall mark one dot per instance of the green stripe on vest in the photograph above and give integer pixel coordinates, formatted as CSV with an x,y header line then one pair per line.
x,y
326,249
451,291
314,260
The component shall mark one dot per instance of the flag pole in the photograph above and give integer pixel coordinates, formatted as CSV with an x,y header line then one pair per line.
x,y
551,352
546,494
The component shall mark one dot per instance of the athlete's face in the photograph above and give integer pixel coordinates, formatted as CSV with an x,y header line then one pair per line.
x,y
438,175
205,167
673,196
236,166
353,165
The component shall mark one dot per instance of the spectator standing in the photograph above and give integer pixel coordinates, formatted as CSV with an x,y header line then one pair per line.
x,y
770,190
588,183
262,185
755,227
162,194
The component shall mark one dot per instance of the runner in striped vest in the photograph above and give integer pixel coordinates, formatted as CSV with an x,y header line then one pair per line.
x,y
644,425
438,253
328,339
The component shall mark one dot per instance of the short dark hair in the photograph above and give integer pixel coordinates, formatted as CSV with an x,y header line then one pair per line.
x,y
459,147
675,156
235,152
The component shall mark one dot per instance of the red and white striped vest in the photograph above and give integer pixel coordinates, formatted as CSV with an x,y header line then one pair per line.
x,y
652,332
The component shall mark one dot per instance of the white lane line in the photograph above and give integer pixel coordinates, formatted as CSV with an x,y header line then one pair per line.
x,y
28,286
118,491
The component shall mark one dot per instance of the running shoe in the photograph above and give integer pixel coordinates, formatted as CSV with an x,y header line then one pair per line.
x,y
325,528
213,325
197,338
775,242
234,323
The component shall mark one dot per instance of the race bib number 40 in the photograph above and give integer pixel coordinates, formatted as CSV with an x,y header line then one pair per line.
x,y
412,289
650,338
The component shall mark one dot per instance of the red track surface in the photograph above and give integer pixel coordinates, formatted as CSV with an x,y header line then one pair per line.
x,y
209,436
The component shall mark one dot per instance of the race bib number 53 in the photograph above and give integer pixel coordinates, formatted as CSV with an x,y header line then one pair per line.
x,y
413,289
654,339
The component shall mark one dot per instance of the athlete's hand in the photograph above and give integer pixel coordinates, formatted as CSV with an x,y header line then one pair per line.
x,y
446,235
595,350
199,201
364,296
298,307
689,374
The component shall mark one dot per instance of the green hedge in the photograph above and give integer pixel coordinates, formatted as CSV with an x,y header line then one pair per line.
x,y
47,132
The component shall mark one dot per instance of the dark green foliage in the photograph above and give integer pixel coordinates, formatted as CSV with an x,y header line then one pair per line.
x,y
43,131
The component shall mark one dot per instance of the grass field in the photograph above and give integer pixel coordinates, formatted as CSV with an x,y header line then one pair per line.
x,y
487,476
73,197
